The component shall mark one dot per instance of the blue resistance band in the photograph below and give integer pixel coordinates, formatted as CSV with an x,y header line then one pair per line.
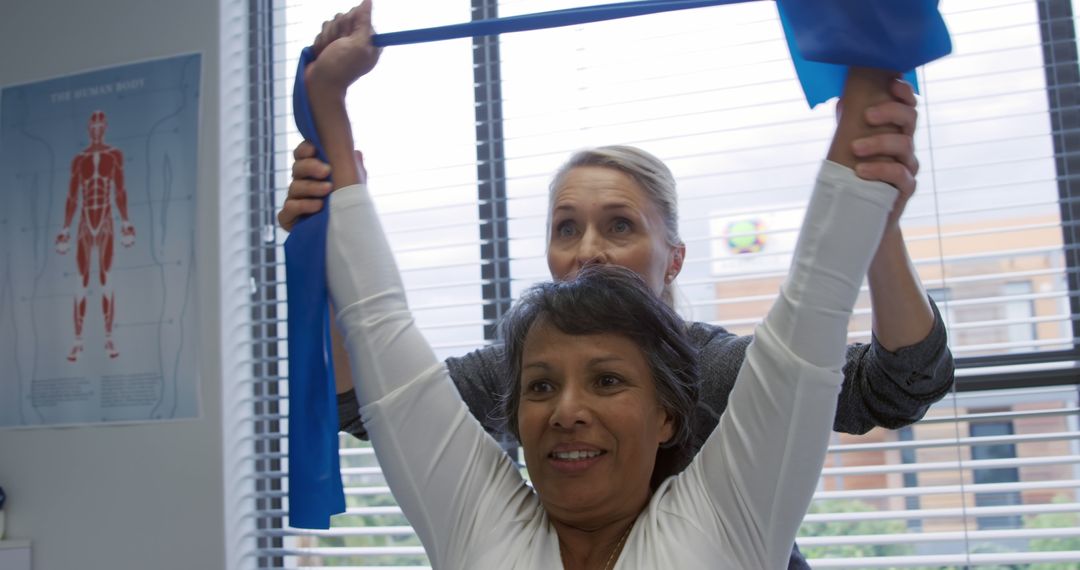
x,y
315,490
541,20
824,36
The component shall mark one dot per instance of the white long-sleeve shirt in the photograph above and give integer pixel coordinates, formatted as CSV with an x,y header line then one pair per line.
x,y
739,503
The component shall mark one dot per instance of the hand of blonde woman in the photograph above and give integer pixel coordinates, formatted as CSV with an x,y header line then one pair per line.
x,y
310,184
888,155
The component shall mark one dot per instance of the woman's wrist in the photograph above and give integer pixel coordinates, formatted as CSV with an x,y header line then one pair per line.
x,y
322,88
335,132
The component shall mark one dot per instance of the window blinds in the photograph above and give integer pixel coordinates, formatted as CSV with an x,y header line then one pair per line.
x,y
460,139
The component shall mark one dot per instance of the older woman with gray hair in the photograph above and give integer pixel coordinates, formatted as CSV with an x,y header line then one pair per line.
x,y
616,206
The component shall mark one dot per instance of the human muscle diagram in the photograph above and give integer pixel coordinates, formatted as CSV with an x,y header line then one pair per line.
x,y
97,180
97,257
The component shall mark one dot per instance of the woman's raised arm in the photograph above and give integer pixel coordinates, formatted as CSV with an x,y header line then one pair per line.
x,y
761,465
440,465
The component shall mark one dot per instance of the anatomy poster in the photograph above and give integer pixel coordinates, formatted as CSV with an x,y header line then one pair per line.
x,y
97,246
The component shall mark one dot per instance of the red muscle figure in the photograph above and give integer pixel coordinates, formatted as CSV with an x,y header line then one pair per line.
x,y
97,175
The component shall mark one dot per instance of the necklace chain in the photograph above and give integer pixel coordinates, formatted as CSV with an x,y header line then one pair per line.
x,y
618,548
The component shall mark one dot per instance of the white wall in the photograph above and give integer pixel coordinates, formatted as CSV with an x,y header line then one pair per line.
x,y
125,497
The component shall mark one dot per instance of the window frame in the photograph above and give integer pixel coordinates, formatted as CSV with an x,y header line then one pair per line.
x,y
1057,30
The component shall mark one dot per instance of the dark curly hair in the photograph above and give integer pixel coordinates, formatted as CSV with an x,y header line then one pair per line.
x,y
612,299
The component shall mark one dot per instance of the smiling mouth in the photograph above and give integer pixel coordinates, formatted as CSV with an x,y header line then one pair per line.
x,y
574,455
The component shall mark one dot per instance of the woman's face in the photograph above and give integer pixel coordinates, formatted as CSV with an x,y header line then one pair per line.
x,y
590,423
601,215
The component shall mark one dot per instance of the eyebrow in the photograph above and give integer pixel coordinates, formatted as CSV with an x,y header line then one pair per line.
x,y
607,207
605,359
592,362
